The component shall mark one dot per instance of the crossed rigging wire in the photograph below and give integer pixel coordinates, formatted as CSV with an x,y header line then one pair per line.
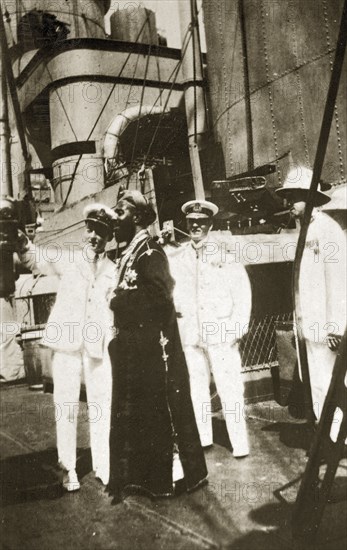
x,y
175,72
102,109
173,75
100,114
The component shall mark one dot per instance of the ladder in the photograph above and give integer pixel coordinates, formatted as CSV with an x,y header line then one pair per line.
x,y
328,446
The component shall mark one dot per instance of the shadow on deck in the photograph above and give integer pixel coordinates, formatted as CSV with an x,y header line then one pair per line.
x,y
246,505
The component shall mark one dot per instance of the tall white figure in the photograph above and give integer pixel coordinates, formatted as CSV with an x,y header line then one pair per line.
x,y
79,330
213,302
322,282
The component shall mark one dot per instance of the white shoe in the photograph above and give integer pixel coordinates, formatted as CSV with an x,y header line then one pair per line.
x,y
206,442
240,453
70,481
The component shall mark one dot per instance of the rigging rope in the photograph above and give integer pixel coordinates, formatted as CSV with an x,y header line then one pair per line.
x,y
176,70
99,116
185,43
132,80
184,48
62,104
141,104
194,24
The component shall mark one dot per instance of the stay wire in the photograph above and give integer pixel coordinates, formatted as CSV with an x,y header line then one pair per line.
x,y
184,48
99,116
141,104
115,84
132,81
62,104
159,98
111,92
193,24
167,100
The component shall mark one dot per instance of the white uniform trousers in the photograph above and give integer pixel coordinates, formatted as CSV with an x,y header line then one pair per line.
x,y
67,372
225,363
321,362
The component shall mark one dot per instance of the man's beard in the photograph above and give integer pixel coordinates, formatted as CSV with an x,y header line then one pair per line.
x,y
125,232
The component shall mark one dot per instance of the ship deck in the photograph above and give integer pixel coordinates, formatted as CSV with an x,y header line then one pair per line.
x,y
247,504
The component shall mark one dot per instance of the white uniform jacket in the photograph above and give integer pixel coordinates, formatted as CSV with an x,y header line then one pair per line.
x,y
212,297
322,281
81,315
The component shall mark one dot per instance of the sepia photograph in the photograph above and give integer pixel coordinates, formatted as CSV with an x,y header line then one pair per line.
x,y
173,249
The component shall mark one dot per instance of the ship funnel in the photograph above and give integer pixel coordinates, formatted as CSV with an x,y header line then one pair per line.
x,y
127,24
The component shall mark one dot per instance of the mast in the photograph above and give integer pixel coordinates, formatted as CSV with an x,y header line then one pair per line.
x,y
5,159
9,81
194,91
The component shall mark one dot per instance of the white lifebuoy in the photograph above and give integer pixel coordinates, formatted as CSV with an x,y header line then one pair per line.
x,y
117,127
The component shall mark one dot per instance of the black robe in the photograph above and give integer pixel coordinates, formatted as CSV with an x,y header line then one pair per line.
x,y
152,414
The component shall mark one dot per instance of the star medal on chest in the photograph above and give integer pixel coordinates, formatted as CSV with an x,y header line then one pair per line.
x,y
129,280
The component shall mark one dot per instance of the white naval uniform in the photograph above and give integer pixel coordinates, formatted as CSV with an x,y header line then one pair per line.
x,y
322,288
79,331
213,303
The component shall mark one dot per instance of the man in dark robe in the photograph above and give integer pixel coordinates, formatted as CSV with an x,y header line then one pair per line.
x,y
152,419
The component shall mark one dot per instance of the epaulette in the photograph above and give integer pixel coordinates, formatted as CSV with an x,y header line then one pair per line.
x,y
150,251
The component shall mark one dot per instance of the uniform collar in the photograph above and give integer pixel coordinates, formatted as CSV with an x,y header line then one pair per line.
x,y
200,244
142,234
127,253
98,264
101,255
